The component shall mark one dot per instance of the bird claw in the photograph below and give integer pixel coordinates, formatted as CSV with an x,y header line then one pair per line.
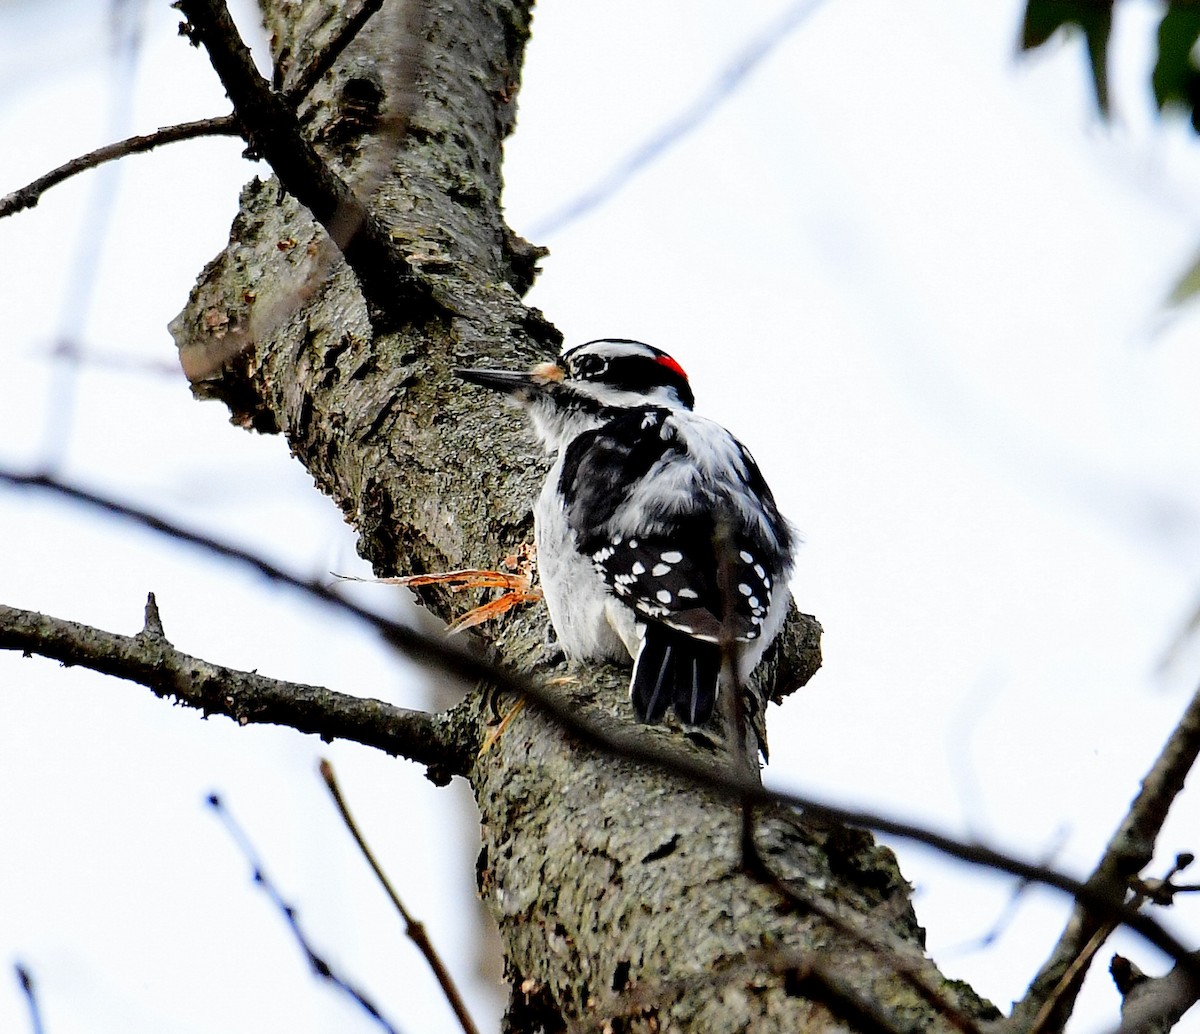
x,y
516,581
492,609
504,723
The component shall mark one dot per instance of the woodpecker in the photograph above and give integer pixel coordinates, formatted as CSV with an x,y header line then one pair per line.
x,y
657,537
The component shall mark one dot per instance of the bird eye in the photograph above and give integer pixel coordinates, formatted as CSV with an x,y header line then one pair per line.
x,y
589,367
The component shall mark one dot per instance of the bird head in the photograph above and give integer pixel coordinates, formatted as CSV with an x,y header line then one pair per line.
x,y
588,384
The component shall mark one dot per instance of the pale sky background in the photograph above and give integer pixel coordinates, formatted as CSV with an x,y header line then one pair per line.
x,y
916,275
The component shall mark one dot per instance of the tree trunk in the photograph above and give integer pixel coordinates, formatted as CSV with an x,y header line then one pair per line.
x,y
620,892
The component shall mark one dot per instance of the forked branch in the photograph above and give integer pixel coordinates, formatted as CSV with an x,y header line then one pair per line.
x,y
389,283
1051,996
149,659
249,697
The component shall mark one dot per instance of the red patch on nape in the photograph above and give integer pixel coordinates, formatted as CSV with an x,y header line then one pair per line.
x,y
670,364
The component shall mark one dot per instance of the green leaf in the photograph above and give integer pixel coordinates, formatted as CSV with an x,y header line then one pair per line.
x,y
1043,18
1174,71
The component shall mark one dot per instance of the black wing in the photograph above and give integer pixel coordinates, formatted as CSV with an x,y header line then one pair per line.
x,y
694,566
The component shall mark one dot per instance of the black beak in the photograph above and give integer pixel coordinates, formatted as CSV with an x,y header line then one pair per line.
x,y
510,382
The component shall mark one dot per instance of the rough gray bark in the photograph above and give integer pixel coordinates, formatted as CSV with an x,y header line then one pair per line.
x,y
620,893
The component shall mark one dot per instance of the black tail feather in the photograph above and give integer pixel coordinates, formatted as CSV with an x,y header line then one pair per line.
x,y
675,670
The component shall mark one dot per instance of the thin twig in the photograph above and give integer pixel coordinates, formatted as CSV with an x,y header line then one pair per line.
x,y
413,928
811,978
389,283
222,125
205,354
1074,971
724,86
1129,851
318,964
866,938
29,195
744,754
245,696
631,745
80,354
35,1013
424,649
1158,891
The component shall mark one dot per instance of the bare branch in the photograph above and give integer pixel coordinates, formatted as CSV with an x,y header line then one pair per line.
x,y
724,86
35,1013
390,285
116,508
1159,891
629,743
1153,1005
248,697
1129,851
29,195
413,928
316,962
222,125
150,660
421,648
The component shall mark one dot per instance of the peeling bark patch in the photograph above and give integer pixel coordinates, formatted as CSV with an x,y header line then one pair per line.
x,y
662,851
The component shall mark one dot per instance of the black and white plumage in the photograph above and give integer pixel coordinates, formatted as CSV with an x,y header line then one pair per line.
x,y
657,537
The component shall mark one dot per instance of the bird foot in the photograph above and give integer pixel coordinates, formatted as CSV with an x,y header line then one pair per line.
x,y
516,580
504,723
